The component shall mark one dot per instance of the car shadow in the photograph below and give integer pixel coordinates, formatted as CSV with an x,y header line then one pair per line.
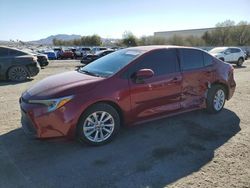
x,y
5,83
241,67
154,154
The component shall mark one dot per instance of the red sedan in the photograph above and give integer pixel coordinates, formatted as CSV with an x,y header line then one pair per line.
x,y
66,54
127,87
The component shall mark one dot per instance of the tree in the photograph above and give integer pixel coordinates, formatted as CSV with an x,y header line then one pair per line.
x,y
194,41
129,39
152,40
95,40
176,40
222,33
240,34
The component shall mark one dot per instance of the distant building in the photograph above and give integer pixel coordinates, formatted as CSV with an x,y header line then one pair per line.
x,y
183,33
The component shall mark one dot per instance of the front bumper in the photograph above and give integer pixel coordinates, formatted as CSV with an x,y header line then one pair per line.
x,y
37,122
27,125
33,70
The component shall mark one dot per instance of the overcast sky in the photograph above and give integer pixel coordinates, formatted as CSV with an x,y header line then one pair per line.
x,y
35,19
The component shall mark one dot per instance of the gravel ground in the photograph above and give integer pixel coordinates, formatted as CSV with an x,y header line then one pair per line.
x,y
189,150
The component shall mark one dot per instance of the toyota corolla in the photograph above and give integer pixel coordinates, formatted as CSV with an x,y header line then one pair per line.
x,y
127,87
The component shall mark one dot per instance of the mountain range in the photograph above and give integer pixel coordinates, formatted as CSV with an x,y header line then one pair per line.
x,y
49,40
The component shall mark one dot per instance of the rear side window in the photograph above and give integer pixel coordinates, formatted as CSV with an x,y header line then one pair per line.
x,y
235,50
162,62
208,59
191,59
16,53
4,52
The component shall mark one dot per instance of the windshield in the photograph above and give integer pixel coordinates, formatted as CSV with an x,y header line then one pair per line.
x,y
110,64
217,50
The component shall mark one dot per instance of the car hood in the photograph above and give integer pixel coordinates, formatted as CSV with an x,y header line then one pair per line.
x,y
60,85
216,54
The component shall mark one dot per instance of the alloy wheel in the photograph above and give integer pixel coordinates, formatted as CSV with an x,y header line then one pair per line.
x,y
17,73
98,126
219,100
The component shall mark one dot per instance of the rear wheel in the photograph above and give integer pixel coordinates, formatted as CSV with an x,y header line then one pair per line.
x,y
98,125
240,62
18,73
216,99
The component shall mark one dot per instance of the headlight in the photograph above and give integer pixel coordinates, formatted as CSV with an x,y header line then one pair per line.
x,y
53,104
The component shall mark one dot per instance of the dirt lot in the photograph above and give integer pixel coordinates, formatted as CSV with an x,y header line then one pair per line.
x,y
188,150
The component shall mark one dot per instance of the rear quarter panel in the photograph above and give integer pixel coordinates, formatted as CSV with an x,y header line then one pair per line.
x,y
224,75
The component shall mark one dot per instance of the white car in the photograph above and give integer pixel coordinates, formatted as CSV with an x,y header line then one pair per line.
x,y
80,52
229,54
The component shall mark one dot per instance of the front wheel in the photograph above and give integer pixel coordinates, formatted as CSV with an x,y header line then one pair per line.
x,y
98,125
216,98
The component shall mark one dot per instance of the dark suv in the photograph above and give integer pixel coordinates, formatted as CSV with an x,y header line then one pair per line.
x,y
17,65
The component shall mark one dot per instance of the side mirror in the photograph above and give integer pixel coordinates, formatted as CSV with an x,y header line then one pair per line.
x,y
143,74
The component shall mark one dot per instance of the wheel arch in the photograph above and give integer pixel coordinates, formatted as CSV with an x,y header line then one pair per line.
x,y
222,59
111,103
241,58
225,86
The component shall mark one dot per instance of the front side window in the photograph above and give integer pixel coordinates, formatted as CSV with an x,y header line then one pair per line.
x,y
162,62
191,59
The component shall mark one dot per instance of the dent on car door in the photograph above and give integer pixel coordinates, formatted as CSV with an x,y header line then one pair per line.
x,y
159,94
197,76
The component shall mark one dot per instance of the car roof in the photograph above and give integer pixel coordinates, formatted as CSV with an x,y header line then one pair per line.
x,y
157,47
18,49
102,51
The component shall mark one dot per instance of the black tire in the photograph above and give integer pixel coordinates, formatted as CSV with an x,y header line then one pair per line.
x,y
18,74
211,104
240,62
84,123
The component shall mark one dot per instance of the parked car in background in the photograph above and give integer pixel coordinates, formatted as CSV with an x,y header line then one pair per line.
x,y
126,87
66,54
80,52
88,58
58,51
94,50
51,54
17,65
41,58
247,54
229,54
